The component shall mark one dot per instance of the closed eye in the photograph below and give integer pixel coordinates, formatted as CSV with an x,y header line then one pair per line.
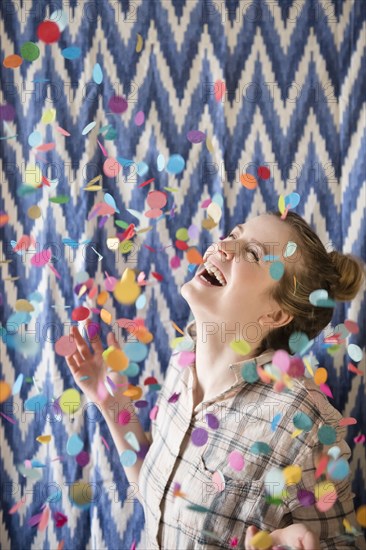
x,y
251,250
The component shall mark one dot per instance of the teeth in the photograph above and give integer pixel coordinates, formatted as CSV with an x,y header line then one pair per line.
x,y
216,272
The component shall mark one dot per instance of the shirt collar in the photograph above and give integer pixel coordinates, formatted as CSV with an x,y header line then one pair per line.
x,y
262,359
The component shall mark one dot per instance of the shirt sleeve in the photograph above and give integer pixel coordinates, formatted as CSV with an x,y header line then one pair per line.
x,y
327,525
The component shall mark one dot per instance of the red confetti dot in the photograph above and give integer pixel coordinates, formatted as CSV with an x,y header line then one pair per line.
x,y
264,172
181,245
48,32
80,313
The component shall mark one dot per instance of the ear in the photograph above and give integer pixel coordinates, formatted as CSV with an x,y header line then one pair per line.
x,y
275,319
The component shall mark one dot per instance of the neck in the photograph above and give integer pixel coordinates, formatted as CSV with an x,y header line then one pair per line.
x,y
213,357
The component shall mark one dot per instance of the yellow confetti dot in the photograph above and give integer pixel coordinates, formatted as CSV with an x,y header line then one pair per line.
x,y
34,212
261,540
214,211
33,175
23,305
209,145
44,438
281,204
5,391
240,346
140,43
81,493
292,474
115,358
323,488
208,223
70,401
133,392
125,246
48,116
127,290
297,432
113,243
320,376
361,515
106,316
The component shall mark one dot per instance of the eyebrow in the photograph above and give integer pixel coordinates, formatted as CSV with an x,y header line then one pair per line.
x,y
263,246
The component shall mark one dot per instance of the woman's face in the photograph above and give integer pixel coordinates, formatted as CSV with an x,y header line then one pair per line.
x,y
244,296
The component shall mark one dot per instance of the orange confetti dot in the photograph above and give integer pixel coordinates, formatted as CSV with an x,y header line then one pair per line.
x,y
320,376
102,298
106,316
249,181
5,391
361,515
134,392
12,61
117,360
194,256
4,218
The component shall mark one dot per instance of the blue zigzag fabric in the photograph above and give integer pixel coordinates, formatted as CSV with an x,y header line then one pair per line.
x,y
295,78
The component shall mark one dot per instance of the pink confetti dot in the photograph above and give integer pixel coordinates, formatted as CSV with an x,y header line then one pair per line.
x,y
199,437
111,167
154,412
153,213
65,346
139,118
236,461
41,258
175,262
156,199
124,417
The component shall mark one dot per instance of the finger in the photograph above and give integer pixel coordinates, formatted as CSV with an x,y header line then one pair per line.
x,y
310,541
251,531
112,340
72,364
94,339
81,344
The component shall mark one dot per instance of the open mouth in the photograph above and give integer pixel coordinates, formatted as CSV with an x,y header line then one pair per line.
x,y
212,275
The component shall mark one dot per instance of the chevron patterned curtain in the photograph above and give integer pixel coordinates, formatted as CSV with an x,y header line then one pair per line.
x,y
224,103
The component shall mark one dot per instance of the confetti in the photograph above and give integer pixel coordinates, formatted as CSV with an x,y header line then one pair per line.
x,y
249,372
248,181
139,118
74,445
195,136
88,128
48,32
117,104
128,458
260,448
355,352
277,270
70,401
261,540
12,61
219,88
176,164
319,298
72,52
236,461
124,417
302,421
327,435
80,313
212,421
242,347
139,43
199,437
97,74
5,391
291,248
263,172
81,494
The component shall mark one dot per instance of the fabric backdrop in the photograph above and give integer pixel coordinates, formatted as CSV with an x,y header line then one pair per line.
x,y
295,77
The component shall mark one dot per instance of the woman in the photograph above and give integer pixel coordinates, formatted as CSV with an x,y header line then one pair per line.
x,y
224,433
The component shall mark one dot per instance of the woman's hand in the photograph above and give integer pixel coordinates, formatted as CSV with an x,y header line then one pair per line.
x,y
297,536
83,362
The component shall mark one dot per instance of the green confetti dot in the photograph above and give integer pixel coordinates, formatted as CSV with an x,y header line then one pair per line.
x,y
29,51
276,270
260,448
61,199
302,421
327,435
249,372
182,234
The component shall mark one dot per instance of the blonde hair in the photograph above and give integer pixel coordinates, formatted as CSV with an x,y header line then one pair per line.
x,y
313,268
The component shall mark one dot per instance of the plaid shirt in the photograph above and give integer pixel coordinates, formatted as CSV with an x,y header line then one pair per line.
x,y
246,413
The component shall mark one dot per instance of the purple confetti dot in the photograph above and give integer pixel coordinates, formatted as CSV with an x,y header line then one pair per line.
x,y
82,458
212,421
195,136
7,112
141,404
118,104
173,398
143,451
306,498
199,437
93,330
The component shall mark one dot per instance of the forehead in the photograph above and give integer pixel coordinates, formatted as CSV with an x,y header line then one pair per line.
x,y
267,228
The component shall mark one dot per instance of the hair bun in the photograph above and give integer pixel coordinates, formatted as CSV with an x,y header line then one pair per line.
x,y
351,273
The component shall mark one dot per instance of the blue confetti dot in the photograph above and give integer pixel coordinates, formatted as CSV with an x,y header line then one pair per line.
x,y
72,52
176,164
249,372
135,351
97,74
302,421
128,458
260,448
276,270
